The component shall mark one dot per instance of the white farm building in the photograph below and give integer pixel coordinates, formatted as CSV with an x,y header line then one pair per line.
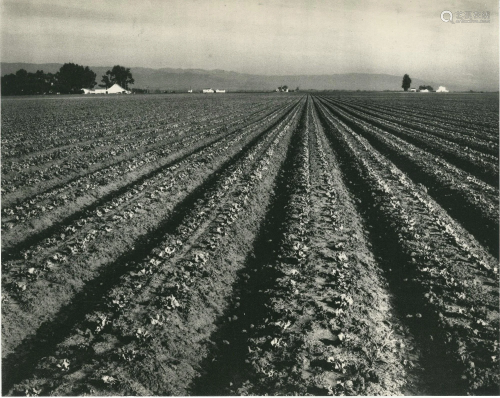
x,y
442,89
211,90
114,89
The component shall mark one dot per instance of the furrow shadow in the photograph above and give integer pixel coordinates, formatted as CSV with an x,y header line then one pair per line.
x,y
22,362
488,176
483,228
152,147
226,367
440,371
14,251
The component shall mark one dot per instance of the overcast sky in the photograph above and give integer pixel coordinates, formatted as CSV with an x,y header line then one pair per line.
x,y
262,36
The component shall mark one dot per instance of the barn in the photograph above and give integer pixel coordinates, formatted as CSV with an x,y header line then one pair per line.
x,y
117,89
114,89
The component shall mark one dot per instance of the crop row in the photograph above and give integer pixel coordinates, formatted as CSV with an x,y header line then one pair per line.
x,y
74,253
468,138
449,120
98,155
309,323
152,318
55,205
443,279
468,199
473,111
484,167
123,165
116,144
44,127
281,245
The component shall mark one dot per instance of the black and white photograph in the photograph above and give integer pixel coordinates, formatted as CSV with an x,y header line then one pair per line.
x,y
250,198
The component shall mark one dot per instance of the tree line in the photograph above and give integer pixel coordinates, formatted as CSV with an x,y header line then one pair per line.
x,y
70,79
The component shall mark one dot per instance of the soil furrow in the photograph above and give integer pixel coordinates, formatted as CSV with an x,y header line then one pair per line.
x,y
143,299
442,279
250,244
33,235
473,205
283,331
482,167
452,133
143,150
163,129
39,284
226,369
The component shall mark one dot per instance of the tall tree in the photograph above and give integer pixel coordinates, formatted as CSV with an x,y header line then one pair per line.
x,y
120,75
406,82
71,78
106,82
13,84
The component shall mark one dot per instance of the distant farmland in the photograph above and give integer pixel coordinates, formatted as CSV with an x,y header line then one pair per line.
x,y
342,244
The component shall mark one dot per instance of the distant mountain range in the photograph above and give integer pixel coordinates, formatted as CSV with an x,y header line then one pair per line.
x,y
183,79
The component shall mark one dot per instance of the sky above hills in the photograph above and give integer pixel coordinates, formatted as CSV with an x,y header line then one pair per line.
x,y
270,37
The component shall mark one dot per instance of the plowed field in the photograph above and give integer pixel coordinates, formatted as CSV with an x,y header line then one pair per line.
x,y
250,244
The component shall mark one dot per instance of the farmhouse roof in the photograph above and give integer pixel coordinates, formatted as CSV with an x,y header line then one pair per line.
x,y
116,88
